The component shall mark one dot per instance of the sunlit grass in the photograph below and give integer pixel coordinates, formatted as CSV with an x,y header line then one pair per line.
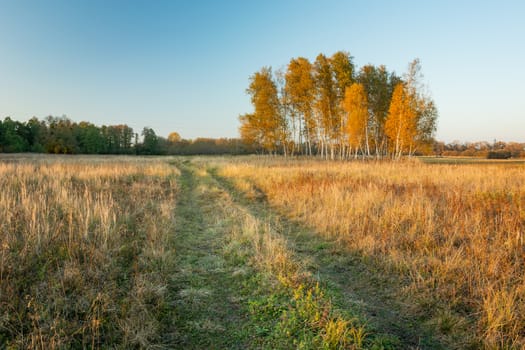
x,y
456,232
83,251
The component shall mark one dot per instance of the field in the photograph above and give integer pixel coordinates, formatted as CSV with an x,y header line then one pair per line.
x,y
84,248
259,252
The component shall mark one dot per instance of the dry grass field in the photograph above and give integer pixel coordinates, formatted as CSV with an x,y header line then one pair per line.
x,y
260,252
83,250
455,233
148,253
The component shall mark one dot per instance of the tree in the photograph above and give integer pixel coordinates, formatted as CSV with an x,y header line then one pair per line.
x,y
249,131
2,137
12,136
379,86
300,92
126,138
355,105
89,139
412,115
36,134
174,137
266,123
401,123
61,138
425,109
150,143
286,141
325,105
343,75
309,102
343,69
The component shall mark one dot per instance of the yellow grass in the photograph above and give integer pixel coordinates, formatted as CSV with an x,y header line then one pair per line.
x,y
455,231
82,247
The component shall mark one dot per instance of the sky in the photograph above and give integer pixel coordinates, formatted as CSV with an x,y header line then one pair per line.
x,y
184,65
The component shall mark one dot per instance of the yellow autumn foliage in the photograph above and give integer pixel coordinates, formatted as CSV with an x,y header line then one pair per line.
x,y
401,123
355,104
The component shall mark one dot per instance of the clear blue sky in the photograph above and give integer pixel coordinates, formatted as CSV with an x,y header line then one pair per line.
x,y
184,65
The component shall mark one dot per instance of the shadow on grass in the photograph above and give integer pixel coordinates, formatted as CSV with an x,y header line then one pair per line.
x,y
363,284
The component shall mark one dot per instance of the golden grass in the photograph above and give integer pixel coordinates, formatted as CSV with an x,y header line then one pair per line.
x,y
83,247
455,231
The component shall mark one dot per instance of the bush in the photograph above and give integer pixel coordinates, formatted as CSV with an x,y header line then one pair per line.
x,y
499,155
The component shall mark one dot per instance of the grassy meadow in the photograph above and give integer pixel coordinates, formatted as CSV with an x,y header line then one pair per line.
x,y
84,247
260,253
453,233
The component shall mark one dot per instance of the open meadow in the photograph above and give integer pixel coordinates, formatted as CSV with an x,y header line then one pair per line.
x,y
84,247
452,233
260,252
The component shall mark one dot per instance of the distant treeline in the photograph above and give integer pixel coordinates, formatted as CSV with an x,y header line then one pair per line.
x,y
494,150
61,135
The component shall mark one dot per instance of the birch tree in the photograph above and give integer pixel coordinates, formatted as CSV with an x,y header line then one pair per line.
x,y
325,105
343,75
401,123
266,121
423,105
300,91
355,105
379,85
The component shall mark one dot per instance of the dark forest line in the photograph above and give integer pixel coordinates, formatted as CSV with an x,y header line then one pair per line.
x,y
61,135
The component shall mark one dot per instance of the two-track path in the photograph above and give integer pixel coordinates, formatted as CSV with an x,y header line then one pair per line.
x,y
211,308
209,313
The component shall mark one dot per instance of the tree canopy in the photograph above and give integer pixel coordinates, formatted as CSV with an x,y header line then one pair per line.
x,y
334,110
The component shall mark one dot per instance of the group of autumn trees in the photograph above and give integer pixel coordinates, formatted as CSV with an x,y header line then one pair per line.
x,y
331,109
61,135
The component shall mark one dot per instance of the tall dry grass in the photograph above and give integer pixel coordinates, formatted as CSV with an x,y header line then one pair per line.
x,y
456,232
84,250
